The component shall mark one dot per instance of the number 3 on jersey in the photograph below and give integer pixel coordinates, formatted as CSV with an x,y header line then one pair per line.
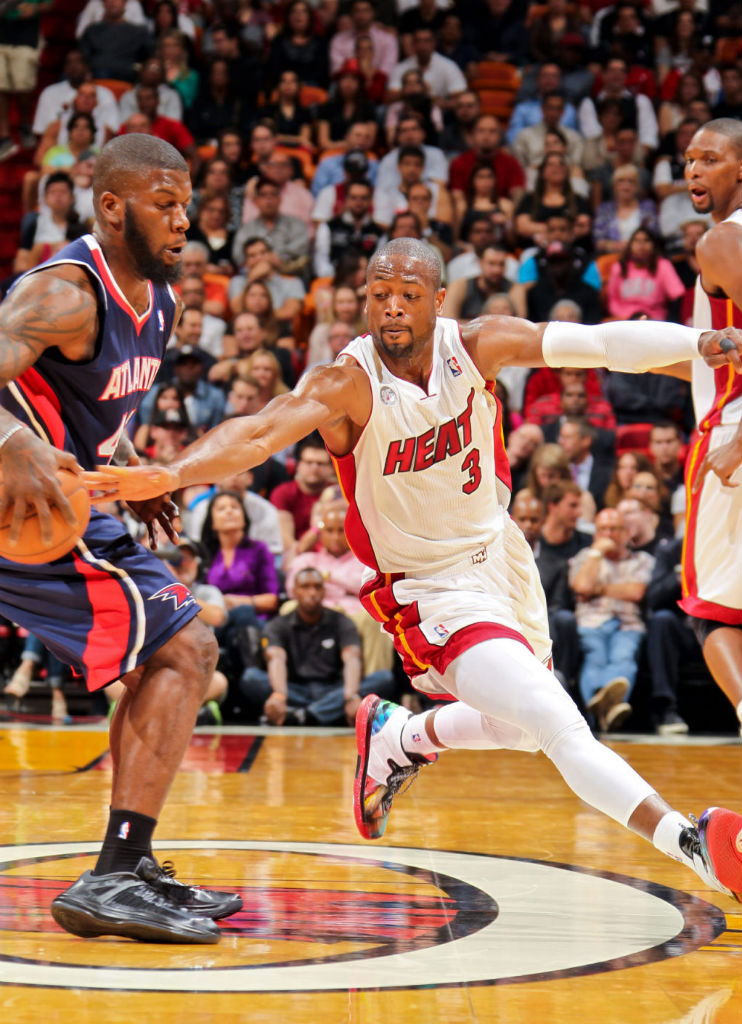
x,y
470,465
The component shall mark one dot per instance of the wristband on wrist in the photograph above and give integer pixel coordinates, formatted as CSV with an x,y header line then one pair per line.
x,y
7,434
594,553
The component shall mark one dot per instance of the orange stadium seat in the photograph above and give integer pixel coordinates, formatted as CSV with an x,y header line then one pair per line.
x,y
117,86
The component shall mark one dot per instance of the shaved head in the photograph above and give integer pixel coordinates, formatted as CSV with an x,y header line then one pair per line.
x,y
412,251
132,156
729,128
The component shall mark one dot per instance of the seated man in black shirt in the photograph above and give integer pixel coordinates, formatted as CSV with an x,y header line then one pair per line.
x,y
314,664
559,541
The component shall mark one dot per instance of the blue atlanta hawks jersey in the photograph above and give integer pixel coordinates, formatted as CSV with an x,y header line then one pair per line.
x,y
83,407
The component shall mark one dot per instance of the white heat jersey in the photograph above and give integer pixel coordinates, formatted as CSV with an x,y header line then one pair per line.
x,y
428,482
717,394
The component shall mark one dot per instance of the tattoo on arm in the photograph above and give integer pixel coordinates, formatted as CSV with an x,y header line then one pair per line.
x,y
44,312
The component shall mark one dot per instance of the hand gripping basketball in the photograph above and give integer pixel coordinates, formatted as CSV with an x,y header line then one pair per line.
x,y
23,536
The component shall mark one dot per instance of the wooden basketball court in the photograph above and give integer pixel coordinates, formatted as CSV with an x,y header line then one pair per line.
x,y
494,896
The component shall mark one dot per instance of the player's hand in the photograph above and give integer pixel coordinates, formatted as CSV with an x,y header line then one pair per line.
x,y
720,347
162,510
723,461
130,483
275,708
29,466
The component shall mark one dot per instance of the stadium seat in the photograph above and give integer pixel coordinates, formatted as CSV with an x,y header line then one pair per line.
x,y
117,86
633,437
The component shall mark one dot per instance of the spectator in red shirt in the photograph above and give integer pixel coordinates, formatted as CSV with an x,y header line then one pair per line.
x,y
486,148
295,498
549,410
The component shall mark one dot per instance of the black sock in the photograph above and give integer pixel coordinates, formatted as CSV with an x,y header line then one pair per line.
x,y
128,839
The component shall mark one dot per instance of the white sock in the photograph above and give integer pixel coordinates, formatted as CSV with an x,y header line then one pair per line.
x,y
667,834
415,739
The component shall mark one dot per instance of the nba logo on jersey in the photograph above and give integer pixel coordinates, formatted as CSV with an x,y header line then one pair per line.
x,y
161,319
453,366
441,631
387,395
124,830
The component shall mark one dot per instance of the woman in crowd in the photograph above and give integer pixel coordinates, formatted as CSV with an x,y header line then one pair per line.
x,y
293,121
627,467
172,49
616,220
216,107
216,178
414,98
643,281
553,193
482,196
347,105
298,47
243,569
549,464
347,308
167,18
256,299
374,80
168,396
212,228
263,366
678,92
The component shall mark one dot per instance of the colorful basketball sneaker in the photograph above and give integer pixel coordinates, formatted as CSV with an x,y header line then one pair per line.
x,y
715,847
384,768
195,899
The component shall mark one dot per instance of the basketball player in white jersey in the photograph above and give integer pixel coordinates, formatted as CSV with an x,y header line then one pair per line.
x,y
408,413
712,551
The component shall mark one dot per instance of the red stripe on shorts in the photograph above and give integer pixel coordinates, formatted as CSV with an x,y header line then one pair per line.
x,y
108,639
402,622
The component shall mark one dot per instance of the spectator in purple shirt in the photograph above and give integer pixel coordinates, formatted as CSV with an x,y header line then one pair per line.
x,y
243,569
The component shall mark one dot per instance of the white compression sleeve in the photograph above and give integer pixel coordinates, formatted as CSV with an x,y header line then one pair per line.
x,y
632,346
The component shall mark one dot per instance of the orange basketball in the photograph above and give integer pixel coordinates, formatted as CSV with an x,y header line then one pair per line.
x,y
30,549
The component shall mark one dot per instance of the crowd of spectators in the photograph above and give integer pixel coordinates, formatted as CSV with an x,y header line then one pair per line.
x,y
538,149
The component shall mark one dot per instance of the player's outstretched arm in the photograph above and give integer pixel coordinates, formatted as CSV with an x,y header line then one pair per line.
x,y
43,311
631,346
334,399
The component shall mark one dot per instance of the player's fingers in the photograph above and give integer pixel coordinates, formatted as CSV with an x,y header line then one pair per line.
x,y
168,525
702,471
731,352
66,460
17,519
45,519
152,535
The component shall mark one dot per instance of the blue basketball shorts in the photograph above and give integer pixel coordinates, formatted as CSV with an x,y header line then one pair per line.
x,y
104,608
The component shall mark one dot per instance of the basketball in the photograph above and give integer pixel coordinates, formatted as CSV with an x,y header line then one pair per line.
x,y
30,549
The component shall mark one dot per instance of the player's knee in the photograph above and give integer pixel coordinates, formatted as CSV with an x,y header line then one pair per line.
x,y
197,653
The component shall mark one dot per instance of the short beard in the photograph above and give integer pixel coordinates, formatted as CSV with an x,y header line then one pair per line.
x,y
147,264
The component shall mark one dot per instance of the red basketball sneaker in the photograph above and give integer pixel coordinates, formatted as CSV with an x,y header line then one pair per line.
x,y
716,842
384,768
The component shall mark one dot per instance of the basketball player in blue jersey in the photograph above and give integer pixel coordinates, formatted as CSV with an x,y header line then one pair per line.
x,y
409,415
81,339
